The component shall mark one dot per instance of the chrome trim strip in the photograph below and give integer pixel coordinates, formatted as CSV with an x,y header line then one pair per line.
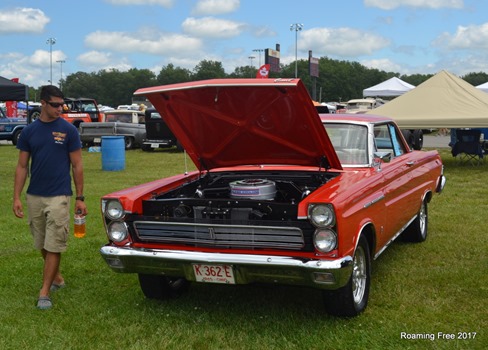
x,y
395,237
376,200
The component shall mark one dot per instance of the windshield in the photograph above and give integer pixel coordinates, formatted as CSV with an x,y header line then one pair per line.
x,y
350,142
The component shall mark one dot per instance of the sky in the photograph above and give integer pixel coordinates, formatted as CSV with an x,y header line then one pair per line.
x,y
40,39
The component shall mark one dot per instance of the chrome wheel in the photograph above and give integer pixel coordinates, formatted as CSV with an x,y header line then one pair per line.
x,y
352,299
359,275
423,220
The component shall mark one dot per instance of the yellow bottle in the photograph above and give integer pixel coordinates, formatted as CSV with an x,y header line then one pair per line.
x,y
80,228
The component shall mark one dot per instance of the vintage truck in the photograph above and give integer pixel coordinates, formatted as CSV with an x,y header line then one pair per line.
x,y
158,134
119,122
75,110
10,128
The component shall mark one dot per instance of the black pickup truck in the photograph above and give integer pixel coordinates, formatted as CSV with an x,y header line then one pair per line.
x,y
158,135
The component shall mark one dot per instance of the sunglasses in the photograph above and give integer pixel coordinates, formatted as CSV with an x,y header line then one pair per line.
x,y
55,104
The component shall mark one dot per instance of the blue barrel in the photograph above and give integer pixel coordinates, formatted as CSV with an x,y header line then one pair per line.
x,y
113,153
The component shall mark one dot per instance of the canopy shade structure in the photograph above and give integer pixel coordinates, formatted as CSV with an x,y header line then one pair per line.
x,y
11,91
391,87
443,101
483,87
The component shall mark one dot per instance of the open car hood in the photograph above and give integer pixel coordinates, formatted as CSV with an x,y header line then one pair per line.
x,y
232,122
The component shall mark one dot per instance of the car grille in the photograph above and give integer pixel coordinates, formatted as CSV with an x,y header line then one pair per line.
x,y
228,236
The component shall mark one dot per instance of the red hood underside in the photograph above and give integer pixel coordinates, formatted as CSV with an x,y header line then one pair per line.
x,y
232,122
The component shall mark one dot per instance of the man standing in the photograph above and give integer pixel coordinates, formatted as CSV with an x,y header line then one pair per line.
x,y
53,146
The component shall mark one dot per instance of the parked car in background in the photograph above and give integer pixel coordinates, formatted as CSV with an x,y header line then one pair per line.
x,y
117,122
281,196
76,111
10,128
158,134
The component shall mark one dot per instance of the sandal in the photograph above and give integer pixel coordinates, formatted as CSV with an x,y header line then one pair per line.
x,y
55,286
44,303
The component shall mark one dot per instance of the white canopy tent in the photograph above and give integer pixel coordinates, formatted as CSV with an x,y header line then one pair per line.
x,y
443,101
391,87
483,87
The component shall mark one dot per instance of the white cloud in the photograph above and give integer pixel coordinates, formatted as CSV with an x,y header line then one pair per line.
x,y
215,7
384,64
23,20
432,4
210,27
163,3
42,58
96,60
143,42
345,42
469,37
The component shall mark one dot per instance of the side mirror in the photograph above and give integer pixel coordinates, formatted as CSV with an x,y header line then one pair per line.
x,y
384,156
379,157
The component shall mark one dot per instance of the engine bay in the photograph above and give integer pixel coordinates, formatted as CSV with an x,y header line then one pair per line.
x,y
237,196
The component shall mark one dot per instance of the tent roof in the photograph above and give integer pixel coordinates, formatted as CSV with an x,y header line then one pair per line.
x,y
391,87
11,91
483,87
443,101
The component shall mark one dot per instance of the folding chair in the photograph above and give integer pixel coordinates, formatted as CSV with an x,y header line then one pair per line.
x,y
468,147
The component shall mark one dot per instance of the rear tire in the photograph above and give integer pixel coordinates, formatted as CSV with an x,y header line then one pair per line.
x,y
407,134
129,142
418,139
417,231
15,137
352,299
162,287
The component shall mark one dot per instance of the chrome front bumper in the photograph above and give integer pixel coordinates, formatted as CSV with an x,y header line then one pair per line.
x,y
322,274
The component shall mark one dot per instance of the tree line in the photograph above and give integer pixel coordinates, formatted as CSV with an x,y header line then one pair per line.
x,y
338,80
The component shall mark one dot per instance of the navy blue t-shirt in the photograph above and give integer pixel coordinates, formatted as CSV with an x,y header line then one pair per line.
x,y
49,145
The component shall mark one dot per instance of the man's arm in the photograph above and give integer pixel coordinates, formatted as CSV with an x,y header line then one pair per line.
x,y
77,166
19,181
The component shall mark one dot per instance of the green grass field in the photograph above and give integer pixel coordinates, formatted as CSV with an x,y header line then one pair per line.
x,y
436,287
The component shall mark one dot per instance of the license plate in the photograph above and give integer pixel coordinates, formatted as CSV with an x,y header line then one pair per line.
x,y
214,273
154,145
97,140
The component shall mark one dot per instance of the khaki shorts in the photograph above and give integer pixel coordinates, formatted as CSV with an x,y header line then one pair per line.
x,y
49,219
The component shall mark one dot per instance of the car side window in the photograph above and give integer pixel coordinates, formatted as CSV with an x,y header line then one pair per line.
x,y
387,140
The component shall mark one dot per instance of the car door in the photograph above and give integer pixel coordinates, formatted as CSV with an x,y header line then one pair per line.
x,y
401,201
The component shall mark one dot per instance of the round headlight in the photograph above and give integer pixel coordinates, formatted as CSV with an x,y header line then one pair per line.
x,y
325,240
117,231
321,215
114,210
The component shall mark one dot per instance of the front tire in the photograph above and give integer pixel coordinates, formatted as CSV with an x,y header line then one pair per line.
x,y
34,114
352,299
162,287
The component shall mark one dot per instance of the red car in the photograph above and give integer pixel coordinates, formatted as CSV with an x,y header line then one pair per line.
x,y
278,197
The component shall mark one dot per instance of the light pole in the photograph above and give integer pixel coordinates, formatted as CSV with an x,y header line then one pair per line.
x,y
259,54
51,42
61,68
296,27
251,58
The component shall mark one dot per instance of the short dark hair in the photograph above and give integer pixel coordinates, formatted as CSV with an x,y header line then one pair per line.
x,y
48,91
